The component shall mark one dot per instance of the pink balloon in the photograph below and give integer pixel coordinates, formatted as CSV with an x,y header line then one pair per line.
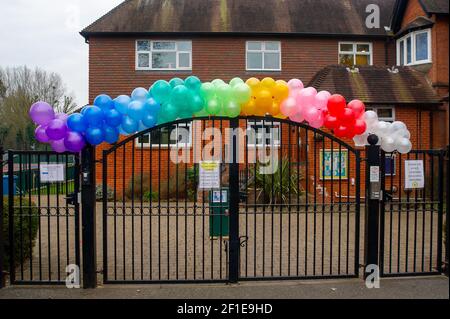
x,y
289,107
318,123
295,85
306,98
312,115
299,118
321,100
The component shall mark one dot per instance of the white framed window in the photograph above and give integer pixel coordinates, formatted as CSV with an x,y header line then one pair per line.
x,y
163,55
385,113
414,48
263,134
263,56
355,53
170,136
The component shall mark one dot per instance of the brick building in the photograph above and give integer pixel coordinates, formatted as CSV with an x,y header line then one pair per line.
x,y
399,69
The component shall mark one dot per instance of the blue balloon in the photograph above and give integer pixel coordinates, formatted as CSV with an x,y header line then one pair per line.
x,y
83,110
175,82
142,127
77,123
103,101
152,107
136,110
113,118
94,116
139,94
122,132
111,134
94,136
149,120
129,125
121,104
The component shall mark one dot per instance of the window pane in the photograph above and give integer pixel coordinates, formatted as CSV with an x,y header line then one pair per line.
x,y
421,46
346,59
144,60
275,46
143,45
184,60
164,60
144,139
254,60
164,45
408,50
346,47
271,61
385,113
185,46
402,52
160,136
362,60
363,48
254,45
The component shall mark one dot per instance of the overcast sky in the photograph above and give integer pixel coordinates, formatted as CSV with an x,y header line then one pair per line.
x,y
45,34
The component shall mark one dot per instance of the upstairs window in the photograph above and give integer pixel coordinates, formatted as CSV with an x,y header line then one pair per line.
x,y
263,56
354,54
414,48
163,55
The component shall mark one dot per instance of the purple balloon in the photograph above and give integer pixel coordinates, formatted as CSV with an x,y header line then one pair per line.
x,y
58,146
41,135
56,130
74,142
42,113
62,116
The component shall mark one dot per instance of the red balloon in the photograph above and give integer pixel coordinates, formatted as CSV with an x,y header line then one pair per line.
x,y
341,131
357,107
347,117
331,122
360,127
350,132
336,105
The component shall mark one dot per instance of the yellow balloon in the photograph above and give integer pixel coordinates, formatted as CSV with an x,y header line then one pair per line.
x,y
249,108
280,91
268,83
281,116
264,100
274,109
253,83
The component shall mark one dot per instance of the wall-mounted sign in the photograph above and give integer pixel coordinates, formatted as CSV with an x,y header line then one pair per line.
x,y
414,175
333,164
52,173
209,175
374,174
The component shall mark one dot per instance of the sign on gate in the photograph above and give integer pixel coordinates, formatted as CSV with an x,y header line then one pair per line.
x,y
51,173
209,175
414,175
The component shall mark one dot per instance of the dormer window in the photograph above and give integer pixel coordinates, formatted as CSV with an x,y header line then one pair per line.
x,y
414,48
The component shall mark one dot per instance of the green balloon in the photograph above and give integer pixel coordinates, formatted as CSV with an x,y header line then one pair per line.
x,y
218,82
225,92
207,90
196,102
213,107
236,81
175,82
202,113
170,112
242,93
232,109
180,96
161,91
193,83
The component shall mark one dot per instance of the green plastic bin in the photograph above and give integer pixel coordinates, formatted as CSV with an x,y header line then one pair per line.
x,y
219,220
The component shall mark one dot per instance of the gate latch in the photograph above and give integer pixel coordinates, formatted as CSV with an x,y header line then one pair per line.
x,y
72,199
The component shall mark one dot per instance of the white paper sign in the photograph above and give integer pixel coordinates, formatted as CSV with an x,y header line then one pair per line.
x,y
374,174
414,175
209,175
50,173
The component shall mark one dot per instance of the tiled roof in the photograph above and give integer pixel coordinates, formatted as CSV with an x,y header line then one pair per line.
x,y
377,85
417,24
346,17
435,6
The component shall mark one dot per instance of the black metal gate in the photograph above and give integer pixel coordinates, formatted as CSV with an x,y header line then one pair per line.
x,y
300,220
43,216
411,228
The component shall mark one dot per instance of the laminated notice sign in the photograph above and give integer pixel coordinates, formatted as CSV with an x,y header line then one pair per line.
x,y
52,173
414,175
209,175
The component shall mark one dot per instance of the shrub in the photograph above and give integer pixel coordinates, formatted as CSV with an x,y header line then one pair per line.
x,y
24,231
99,193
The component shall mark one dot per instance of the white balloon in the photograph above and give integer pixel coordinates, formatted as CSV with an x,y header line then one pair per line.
x,y
361,140
371,116
382,129
388,144
398,126
403,145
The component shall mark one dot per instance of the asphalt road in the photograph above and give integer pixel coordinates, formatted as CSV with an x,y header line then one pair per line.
x,y
404,288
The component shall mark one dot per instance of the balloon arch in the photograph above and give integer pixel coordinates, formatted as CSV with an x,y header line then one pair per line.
x,y
164,102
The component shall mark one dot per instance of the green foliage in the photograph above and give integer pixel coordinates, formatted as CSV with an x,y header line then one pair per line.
x,y
99,193
25,230
275,189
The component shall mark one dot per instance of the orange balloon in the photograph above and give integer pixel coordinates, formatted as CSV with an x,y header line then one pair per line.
x,y
264,101
274,109
281,116
253,83
281,91
249,108
268,83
